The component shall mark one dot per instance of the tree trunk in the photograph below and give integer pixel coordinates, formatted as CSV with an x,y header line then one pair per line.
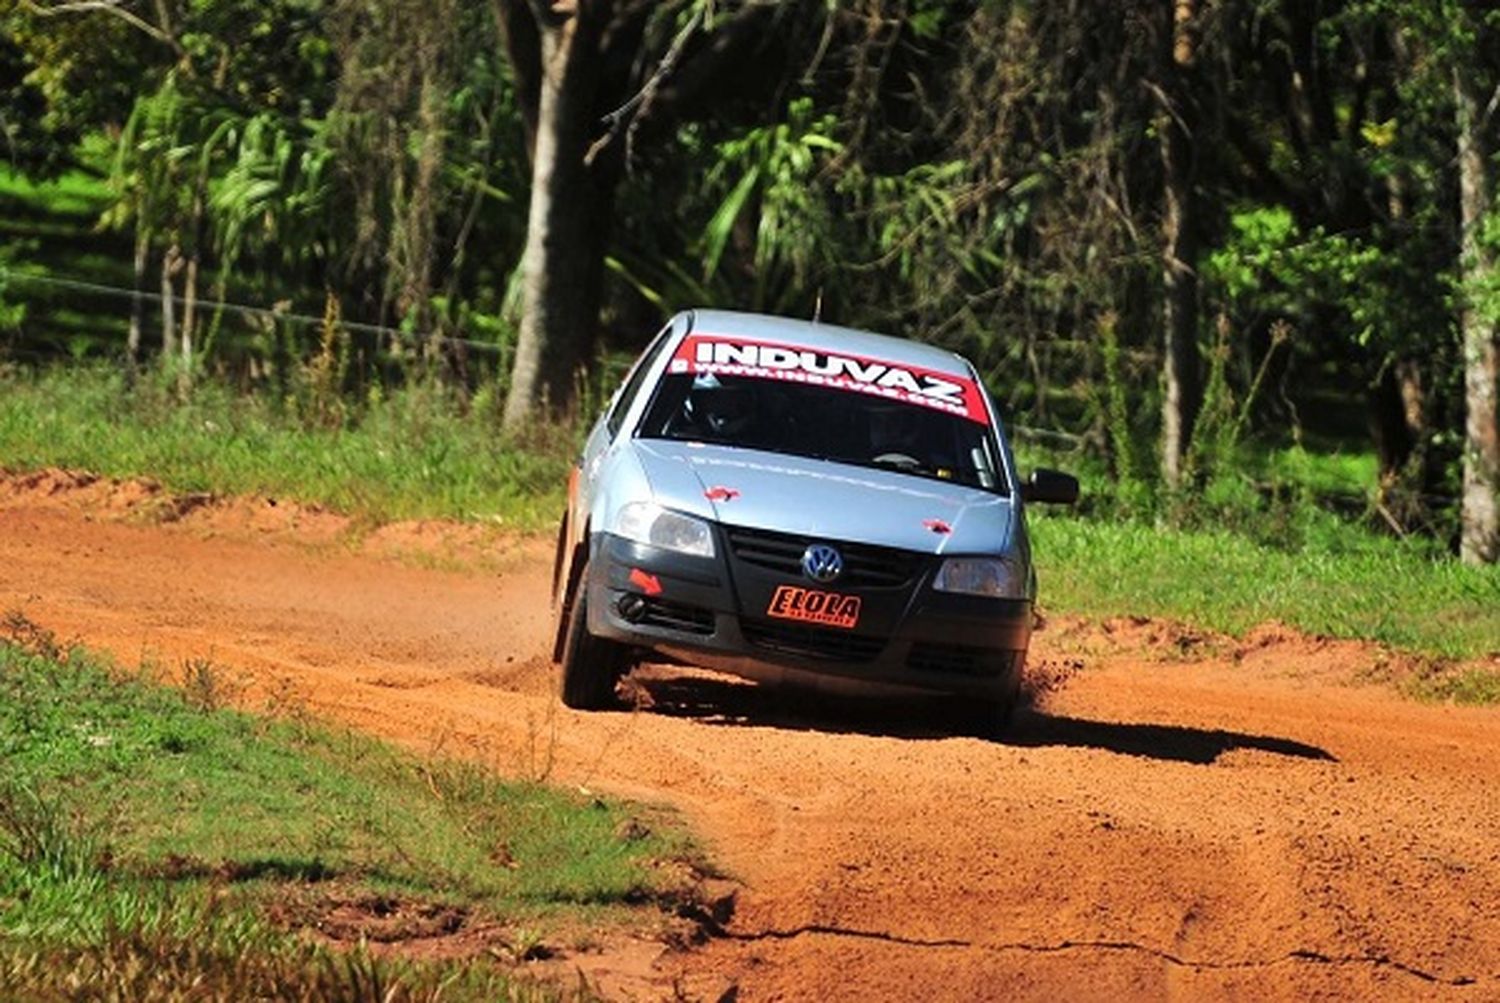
x,y
190,287
1412,387
1390,427
563,264
1399,428
1480,539
171,261
1180,390
137,301
420,224
189,321
565,60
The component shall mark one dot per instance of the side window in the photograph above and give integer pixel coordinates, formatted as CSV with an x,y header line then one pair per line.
x,y
634,381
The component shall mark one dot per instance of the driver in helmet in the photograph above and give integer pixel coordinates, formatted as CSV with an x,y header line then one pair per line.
x,y
724,413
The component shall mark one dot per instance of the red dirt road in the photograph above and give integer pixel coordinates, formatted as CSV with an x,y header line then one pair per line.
x,y
1242,824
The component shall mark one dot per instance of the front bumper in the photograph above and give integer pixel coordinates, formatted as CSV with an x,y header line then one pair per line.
x,y
710,612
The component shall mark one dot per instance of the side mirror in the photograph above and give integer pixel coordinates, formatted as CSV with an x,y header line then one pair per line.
x,y
1050,486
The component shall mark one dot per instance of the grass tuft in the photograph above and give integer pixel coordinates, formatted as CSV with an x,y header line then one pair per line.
x,y
1344,582
156,846
1475,686
41,834
147,966
423,451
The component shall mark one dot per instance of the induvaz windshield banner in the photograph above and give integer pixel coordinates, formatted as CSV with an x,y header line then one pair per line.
x,y
702,354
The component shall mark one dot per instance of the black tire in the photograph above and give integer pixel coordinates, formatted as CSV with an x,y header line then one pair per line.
x,y
989,716
591,666
985,718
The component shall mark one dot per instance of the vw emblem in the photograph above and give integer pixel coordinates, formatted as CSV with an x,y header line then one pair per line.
x,y
822,563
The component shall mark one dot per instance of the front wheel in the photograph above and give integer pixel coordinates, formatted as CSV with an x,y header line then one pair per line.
x,y
989,716
590,665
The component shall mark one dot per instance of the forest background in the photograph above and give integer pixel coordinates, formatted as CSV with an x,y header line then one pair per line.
x,y
1236,260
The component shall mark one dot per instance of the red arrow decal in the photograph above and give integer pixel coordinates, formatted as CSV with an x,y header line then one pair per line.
x,y
937,526
721,494
649,584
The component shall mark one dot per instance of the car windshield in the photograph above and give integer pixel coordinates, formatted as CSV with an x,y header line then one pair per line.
x,y
856,427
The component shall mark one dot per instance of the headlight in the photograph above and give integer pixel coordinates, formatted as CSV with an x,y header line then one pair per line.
x,y
981,576
651,524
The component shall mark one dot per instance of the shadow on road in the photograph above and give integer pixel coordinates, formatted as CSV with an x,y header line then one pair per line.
x,y
727,702
1037,729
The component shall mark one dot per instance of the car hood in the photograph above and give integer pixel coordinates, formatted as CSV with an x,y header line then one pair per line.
x,y
820,498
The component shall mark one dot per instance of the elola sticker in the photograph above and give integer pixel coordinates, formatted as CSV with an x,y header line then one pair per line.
x,y
707,353
831,609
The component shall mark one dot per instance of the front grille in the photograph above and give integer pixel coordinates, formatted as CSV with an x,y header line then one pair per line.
x,y
812,642
959,659
865,566
677,616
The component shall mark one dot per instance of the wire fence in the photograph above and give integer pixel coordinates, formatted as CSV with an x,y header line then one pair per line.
x,y
260,313
1049,437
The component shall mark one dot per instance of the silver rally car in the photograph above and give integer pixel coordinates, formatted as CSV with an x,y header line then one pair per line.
x,y
795,501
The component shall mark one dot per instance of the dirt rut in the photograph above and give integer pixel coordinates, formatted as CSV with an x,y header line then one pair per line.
x,y
1181,821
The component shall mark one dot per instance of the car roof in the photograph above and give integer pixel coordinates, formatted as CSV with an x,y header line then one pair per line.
x,y
828,338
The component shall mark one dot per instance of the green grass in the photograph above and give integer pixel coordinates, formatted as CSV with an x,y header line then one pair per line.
x,y
73,194
1341,582
50,229
1291,470
1472,686
1255,546
422,452
142,830
1333,473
